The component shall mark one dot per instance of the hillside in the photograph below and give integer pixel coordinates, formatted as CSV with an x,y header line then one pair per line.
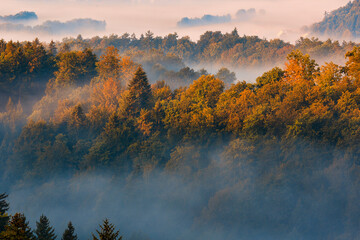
x,y
343,22
234,162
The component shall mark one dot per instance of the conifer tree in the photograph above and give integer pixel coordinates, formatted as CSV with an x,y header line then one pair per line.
x,y
139,95
43,229
69,233
4,206
17,229
107,232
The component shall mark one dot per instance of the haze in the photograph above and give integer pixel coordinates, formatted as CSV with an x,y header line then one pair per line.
x,y
281,19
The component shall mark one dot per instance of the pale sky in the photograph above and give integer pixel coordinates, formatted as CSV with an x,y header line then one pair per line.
x,y
282,19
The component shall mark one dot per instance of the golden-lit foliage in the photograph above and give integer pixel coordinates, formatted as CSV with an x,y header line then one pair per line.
x,y
352,67
106,95
74,68
128,69
108,123
296,127
109,65
299,67
194,110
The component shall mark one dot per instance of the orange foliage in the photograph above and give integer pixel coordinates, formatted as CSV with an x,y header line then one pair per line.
x,y
107,95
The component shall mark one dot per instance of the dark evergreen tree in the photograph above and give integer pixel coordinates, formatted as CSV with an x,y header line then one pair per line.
x,y
4,206
69,233
107,232
17,229
43,229
139,95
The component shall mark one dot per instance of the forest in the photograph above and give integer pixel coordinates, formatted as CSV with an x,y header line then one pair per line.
x,y
343,22
121,132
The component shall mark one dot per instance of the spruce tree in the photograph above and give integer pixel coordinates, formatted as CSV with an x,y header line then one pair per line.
x,y
139,94
107,232
69,233
4,206
17,229
43,229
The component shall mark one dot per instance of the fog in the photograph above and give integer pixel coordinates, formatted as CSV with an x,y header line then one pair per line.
x,y
281,18
227,200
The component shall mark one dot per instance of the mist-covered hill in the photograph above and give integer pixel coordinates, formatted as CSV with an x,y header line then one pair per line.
x,y
275,159
342,23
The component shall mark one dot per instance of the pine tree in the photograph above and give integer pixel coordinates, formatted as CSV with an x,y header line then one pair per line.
x,y
139,95
107,232
17,229
43,229
69,233
4,206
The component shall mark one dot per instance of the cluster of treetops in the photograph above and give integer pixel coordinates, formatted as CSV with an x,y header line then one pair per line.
x,y
341,23
26,67
16,227
101,114
214,48
104,113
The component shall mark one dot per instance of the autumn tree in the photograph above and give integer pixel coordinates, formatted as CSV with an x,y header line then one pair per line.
x,y
193,112
69,233
43,229
353,65
300,67
109,65
107,95
17,229
74,68
107,232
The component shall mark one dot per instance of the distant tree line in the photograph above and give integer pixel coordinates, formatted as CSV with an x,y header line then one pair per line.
x,y
342,23
215,48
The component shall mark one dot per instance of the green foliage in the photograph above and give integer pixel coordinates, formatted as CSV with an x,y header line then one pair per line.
x,y
43,229
107,232
139,94
274,75
109,148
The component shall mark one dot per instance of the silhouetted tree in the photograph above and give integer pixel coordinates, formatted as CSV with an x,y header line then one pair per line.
x,y
4,206
43,229
69,233
107,232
